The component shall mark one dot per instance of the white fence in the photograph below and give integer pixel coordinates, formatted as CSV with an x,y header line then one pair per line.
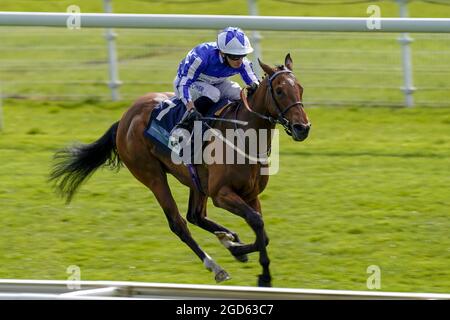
x,y
401,68
181,21
58,289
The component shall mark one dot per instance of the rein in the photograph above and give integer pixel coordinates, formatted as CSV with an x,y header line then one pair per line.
x,y
263,157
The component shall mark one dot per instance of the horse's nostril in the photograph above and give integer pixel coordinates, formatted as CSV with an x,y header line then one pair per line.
x,y
300,131
300,127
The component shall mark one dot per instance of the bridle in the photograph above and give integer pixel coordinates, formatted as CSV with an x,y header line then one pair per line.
x,y
280,118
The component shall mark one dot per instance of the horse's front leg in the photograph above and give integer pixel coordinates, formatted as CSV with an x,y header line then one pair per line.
x,y
227,199
197,215
256,205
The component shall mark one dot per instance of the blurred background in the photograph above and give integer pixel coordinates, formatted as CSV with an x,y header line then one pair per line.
x,y
335,68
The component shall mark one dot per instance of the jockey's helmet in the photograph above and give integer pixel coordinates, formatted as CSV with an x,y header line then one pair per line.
x,y
233,41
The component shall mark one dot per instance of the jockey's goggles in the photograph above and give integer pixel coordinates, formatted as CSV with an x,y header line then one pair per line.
x,y
235,57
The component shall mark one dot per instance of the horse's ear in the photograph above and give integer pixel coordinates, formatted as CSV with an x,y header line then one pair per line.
x,y
288,61
267,69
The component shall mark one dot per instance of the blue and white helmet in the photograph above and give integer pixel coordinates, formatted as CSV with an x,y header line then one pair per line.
x,y
233,41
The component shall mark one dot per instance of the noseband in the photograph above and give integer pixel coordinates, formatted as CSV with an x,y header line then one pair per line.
x,y
280,118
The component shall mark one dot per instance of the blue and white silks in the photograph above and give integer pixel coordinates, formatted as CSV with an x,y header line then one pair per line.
x,y
204,64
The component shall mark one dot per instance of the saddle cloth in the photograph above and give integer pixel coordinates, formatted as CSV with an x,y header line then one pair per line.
x,y
167,115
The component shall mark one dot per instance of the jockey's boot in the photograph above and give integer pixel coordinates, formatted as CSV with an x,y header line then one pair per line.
x,y
202,105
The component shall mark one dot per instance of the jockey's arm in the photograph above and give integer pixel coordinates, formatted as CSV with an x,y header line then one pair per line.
x,y
248,74
193,66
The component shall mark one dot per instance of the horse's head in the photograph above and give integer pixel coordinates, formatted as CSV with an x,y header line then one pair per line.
x,y
285,101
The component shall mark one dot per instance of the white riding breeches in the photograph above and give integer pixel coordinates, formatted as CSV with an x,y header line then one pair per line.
x,y
225,89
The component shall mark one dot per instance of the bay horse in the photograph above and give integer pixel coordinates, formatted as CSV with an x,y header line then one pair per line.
x,y
233,187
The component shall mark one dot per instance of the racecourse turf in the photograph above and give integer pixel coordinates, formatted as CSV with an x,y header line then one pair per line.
x,y
370,186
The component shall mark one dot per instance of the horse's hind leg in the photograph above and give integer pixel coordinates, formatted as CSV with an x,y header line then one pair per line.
x,y
197,215
178,225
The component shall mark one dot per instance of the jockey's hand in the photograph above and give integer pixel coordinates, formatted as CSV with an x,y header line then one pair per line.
x,y
194,114
252,88
190,106
191,115
187,122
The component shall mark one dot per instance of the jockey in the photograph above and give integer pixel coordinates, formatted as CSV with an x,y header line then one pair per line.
x,y
202,77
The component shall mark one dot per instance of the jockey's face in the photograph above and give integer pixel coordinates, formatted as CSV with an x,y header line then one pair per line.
x,y
234,61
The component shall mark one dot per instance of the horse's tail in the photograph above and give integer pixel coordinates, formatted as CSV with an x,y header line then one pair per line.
x,y
78,162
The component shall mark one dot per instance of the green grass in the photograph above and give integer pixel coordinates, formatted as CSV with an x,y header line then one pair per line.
x,y
368,187
237,7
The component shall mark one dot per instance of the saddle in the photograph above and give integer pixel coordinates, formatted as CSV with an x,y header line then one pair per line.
x,y
162,127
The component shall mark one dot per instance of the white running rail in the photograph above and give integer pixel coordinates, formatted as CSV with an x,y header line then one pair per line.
x,y
186,21
59,289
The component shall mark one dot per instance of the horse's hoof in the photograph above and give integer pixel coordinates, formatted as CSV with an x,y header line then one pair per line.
x,y
224,236
264,281
222,275
241,258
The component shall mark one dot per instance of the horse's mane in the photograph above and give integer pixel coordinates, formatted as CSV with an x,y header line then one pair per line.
x,y
278,67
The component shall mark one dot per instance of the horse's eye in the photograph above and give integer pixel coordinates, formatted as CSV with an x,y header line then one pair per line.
x,y
278,91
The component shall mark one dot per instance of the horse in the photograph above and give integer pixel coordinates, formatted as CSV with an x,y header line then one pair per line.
x,y
233,187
